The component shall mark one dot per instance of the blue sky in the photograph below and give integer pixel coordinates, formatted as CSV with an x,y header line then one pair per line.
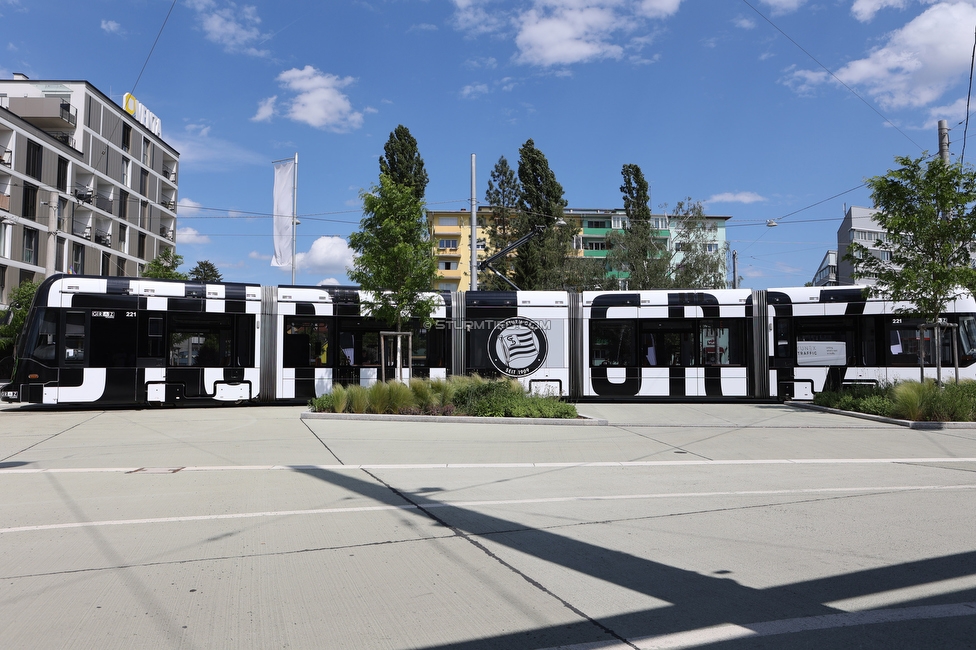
x,y
761,109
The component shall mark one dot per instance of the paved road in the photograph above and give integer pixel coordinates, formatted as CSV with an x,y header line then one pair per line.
x,y
719,526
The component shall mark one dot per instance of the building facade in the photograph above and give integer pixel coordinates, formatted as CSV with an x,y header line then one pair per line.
x,y
86,186
858,225
826,275
451,235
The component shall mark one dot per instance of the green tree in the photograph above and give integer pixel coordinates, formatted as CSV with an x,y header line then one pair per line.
x,y
13,318
928,210
638,251
164,266
402,163
205,271
394,258
540,263
698,262
502,197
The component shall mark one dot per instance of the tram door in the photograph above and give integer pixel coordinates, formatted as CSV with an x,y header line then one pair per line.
x,y
98,356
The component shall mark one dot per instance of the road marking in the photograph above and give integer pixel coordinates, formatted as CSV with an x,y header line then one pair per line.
x,y
427,466
490,502
730,632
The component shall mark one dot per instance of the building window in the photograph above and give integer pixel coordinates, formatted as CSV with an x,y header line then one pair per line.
x,y
447,243
144,215
62,174
659,223
126,163
126,137
26,276
620,222
141,254
597,224
3,278
106,263
34,153
481,244
6,231
447,266
29,207
144,182
59,259
123,205
447,221
596,245
120,266
123,233
146,149
30,246
711,248
77,258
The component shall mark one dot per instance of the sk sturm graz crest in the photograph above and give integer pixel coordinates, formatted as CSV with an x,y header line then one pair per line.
x,y
517,346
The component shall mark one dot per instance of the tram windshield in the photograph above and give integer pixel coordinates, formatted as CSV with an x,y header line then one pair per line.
x,y
40,340
967,335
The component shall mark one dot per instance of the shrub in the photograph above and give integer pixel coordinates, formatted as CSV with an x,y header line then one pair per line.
x,y
340,398
358,398
909,398
322,404
379,398
424,394
401,397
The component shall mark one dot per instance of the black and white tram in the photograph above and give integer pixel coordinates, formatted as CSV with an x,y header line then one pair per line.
x,y
105,340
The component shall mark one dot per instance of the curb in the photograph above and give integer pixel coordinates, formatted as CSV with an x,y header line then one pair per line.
x,y
581,421
910,424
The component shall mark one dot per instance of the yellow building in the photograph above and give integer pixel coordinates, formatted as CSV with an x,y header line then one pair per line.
x,y
451,236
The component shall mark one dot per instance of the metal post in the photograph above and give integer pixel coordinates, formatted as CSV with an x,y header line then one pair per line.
x,y
474,228
944,140
294,221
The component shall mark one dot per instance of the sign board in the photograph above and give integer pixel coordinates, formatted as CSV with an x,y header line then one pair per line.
x,y
821,353
145,116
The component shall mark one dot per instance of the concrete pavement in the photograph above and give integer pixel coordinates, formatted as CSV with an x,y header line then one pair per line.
x,y
677,525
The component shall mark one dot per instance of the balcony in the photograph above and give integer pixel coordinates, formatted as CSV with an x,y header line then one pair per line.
x,y
169,205
45,112
63,137
168,233
85,195
104,203
103,237
5,157
5,202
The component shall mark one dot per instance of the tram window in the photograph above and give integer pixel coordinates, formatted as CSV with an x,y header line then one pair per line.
x,y
667,343
245,341
151,331
721,343
371,349
419,344
347,349
612,343
967,336
782,337
204,340
904,343
74,337
41,342
869,343
112,339
306,343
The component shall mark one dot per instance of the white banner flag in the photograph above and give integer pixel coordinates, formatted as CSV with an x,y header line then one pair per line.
x,y
284,211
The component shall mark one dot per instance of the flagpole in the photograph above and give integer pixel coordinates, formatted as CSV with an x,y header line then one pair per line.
x,y
294,221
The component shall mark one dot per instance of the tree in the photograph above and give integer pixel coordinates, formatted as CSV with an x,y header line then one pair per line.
x,y
394,260
638,251
928,211
539,264
205,271
13,318
502,198
164,266
402,162
698,262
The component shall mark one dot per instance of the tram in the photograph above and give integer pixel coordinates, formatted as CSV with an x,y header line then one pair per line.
x,y
106,340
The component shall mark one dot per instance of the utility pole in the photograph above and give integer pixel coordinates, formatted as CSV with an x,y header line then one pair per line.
x,y
474,228
944,141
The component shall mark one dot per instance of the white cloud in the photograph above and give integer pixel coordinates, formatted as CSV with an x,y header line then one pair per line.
x,y
920,61
783,6
328,255
201,152
328,282
473,91
190,236
188,206
235,27
744,23
255,255
319,101
804,82
111,27
864,10
265,109
736,197
563,32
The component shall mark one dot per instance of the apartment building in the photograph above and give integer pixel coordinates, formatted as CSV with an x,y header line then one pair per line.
x,y
858,225
451,236
826,275
86,186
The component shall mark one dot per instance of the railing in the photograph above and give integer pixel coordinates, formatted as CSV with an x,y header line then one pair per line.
x,y
102,237
168,233
103,203
68,115
5,157
63,137
169,205
84,195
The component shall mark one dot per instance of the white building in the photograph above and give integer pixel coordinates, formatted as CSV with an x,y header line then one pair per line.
x,y
86,186
858,225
